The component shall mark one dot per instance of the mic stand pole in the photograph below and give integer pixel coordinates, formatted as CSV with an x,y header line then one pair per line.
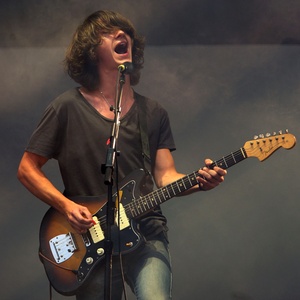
x,y
108,180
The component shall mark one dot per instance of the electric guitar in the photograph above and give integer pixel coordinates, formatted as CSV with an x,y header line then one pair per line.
x,y
69,257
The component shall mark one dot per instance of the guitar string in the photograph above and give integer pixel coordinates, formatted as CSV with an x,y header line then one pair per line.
x,y
233,157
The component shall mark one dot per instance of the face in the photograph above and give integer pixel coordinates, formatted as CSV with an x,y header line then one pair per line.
x,y
115,49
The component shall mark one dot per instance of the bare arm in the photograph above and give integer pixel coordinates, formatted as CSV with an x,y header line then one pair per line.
x,y
34,179
165,172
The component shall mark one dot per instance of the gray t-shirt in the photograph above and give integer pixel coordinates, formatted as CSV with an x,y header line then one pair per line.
x,y
76,135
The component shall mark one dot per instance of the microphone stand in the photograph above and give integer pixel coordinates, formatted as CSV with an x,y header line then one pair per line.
x,y
108,180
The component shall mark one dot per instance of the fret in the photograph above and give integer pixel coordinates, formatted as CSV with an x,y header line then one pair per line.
x,y
229,160
193,178
168,194
243,153
187,183
174,193
143,205
188,177
178,187
160,201
149,198
163,194
155,199
182,180
220,162
233,158
137,207
159,194
239,156
148,203
132,210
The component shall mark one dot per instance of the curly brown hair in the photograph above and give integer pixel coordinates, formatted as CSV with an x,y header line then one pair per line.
x,y
81,62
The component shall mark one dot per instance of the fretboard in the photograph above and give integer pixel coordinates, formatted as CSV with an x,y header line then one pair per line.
x,y
142,205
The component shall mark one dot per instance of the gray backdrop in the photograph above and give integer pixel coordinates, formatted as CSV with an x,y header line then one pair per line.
x,y
226,71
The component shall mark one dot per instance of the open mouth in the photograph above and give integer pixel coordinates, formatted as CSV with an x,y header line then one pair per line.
x,y
122,47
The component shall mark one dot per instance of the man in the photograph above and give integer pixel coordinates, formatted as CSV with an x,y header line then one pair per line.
x,y
74,130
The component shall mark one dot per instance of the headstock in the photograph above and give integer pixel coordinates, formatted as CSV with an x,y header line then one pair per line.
x,y
263,146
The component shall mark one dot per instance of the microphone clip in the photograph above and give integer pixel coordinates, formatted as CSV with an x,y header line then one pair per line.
x,y
126,68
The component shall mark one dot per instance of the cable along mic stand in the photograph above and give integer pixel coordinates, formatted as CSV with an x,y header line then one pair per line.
x,y
107,170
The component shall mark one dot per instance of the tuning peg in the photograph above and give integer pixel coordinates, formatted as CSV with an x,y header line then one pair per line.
x,y
261,136
255,137
268,134
286,131
280,131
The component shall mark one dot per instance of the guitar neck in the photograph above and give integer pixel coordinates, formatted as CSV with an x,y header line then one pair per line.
x,y
146,203
230,160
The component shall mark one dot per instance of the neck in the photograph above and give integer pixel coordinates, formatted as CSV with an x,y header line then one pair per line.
x,y
108,82
109,91
104,96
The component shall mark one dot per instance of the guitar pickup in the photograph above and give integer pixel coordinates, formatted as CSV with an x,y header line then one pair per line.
x,y
96,231
121,219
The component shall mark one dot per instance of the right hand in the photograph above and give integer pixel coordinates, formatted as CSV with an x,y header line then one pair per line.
x,y
79,217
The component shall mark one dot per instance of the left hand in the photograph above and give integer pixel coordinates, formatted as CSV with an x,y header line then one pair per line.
x,y
210,178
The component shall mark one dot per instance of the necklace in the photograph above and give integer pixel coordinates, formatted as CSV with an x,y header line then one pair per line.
x,y
107,102
111,107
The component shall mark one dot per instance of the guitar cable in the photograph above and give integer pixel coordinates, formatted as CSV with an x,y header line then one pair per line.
x,y
55,264
42,256
50,291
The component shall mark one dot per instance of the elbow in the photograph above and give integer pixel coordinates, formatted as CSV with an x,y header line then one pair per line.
x,y
20,174
23,171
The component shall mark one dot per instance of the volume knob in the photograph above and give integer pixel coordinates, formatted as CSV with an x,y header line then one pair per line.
x,y
100,251
89,260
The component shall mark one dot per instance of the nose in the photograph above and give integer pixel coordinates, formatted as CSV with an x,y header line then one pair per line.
x,y
120,34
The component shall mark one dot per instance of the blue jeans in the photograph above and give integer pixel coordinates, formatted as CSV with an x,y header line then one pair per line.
x,y
146,270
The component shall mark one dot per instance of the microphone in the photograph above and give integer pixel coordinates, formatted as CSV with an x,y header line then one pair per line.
x,y
126,68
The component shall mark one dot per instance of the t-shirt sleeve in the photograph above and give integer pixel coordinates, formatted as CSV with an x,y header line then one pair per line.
x,y
44,139
160,132
166,139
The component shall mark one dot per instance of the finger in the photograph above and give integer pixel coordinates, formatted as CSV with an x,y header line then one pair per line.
x,y
80,227
208,174
209,178
220,171
216,172
80,223
83,216
85,212
208,162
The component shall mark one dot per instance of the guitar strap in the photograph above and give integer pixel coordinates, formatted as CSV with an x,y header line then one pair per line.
x,y
142,116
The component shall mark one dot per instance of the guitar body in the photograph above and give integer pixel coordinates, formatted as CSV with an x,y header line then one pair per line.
x,y
69,257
